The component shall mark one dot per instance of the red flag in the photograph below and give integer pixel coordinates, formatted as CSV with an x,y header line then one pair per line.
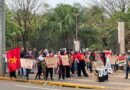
x,y
13,57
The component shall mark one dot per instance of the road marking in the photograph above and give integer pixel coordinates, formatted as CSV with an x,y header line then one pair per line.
x,y
35,87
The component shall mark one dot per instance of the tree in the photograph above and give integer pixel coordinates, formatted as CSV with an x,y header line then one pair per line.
x,y
58,27
12,30
113,6
25,12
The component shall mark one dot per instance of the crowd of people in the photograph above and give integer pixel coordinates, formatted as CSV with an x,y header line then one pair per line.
x,y
78,61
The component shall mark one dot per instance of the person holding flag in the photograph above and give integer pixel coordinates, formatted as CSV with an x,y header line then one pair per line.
x,y
13,60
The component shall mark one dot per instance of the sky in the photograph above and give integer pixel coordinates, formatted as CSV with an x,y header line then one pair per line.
x,y
53,3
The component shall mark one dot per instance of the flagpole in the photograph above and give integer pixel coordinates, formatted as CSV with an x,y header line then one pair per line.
x,y
2,36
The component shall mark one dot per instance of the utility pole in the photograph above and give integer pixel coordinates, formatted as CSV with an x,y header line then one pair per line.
x,y
76,22
2,35
121,37
76,41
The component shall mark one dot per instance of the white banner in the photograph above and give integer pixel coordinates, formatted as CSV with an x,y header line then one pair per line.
x,y
51,62
26,63
65,60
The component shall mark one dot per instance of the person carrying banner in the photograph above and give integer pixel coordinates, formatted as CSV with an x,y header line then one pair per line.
x,y
28,55
127,65
68,66
48,69
60,66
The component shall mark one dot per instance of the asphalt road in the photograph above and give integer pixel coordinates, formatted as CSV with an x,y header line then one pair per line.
x,y
10,85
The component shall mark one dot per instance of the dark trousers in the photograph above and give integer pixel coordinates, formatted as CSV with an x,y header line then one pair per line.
x,y
49,70
89,66
61,72
81,67
13,74
72,68
5,67
127,71
67,71
27,73
39,72
20,72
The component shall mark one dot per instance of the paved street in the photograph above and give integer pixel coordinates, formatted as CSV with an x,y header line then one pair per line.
x,y
10,85
116,82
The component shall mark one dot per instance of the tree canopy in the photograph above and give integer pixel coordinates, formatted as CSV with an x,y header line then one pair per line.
x,y
56,27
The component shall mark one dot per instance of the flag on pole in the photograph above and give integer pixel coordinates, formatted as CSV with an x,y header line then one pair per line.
x,y
13,57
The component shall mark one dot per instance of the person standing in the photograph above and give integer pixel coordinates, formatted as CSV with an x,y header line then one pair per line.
x,y
61,67
73,57
127,65
28,55
48,69
34,53
91,58
81,64
68,66
103,58
39,69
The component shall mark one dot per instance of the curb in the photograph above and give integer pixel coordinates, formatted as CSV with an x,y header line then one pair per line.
x,y
52,83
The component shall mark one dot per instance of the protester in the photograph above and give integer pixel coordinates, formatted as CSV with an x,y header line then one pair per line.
x,y
49,69
61,67
34,53
91,58
68,66
81,64
21,70
44,69
39,69
5,63
28,55
127,65
73,61
103,58
13,74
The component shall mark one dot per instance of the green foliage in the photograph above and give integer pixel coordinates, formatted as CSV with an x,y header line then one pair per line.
x,y
57,27
12,30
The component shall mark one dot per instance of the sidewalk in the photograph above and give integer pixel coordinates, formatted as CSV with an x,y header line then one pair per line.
x,y
116,82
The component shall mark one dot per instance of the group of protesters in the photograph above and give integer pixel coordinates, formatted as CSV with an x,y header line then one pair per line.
x,y
78,61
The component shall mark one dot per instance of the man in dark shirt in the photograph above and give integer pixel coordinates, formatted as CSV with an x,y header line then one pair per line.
x,y
127,65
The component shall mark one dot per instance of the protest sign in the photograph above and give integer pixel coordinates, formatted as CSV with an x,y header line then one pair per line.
x,y
65,60
98,65
26,63
112,59
121,60
51,62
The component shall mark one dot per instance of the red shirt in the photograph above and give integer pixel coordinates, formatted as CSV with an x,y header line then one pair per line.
x,y
73,56
80,56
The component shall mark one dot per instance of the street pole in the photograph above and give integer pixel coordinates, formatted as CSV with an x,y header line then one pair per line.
x,y
2,35
121,37
76,41
76,21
